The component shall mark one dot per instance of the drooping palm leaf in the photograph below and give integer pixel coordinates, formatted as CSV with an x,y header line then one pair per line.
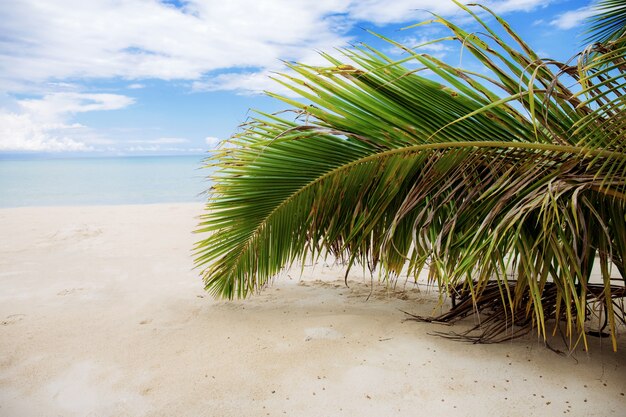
x,y
394,170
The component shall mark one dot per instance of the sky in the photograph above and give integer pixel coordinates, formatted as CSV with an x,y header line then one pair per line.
x,y
145,77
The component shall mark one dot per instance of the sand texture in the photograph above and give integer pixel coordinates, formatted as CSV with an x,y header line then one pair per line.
x,y
101,314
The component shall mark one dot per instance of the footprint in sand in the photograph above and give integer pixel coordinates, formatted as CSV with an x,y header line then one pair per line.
x,y
79,232
12,319
70,234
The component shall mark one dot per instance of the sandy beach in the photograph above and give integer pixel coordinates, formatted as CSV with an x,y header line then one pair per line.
x,y
102,314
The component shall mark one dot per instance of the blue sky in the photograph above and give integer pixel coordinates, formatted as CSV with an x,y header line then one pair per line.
x,y
106,77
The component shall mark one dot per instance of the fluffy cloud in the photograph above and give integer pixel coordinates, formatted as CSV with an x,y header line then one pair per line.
x,y
244,83
43,124
19,132
161,141
573,18
58,106
54,46
384,12
422,44
508,6
212,141
150,39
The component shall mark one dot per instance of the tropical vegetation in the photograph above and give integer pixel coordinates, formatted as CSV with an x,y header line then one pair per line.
x,y
506,184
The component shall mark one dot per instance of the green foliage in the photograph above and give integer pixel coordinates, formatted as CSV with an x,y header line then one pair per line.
x,y
608,23
380,165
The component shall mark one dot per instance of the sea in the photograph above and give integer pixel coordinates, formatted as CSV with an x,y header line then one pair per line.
x,y
79,181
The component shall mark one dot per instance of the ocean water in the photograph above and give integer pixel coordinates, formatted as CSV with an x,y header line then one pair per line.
x,y
102,181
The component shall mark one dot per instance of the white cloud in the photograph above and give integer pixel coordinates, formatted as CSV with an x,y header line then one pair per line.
x,y
212,141
243,83
170,140
508,6
383,12
149,39
58,106
156,148
437,49
572,19
19,132
44,124
58,45
161,141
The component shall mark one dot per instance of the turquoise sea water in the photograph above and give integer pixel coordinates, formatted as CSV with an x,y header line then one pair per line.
x,y
101,181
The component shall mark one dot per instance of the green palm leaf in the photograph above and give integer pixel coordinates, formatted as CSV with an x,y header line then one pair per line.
x,y
608,23
390,169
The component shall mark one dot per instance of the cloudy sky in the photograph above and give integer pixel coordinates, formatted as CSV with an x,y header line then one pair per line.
x,y
170,77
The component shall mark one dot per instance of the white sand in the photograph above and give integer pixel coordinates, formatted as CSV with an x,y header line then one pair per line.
x,y
102,315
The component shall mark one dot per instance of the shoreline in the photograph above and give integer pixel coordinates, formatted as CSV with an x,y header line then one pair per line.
x,y
103,314
103,206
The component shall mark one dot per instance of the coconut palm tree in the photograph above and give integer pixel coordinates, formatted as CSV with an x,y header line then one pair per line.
x,y
512,178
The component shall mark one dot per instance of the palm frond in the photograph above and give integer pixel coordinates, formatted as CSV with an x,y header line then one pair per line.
x,y
400,172
608,22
